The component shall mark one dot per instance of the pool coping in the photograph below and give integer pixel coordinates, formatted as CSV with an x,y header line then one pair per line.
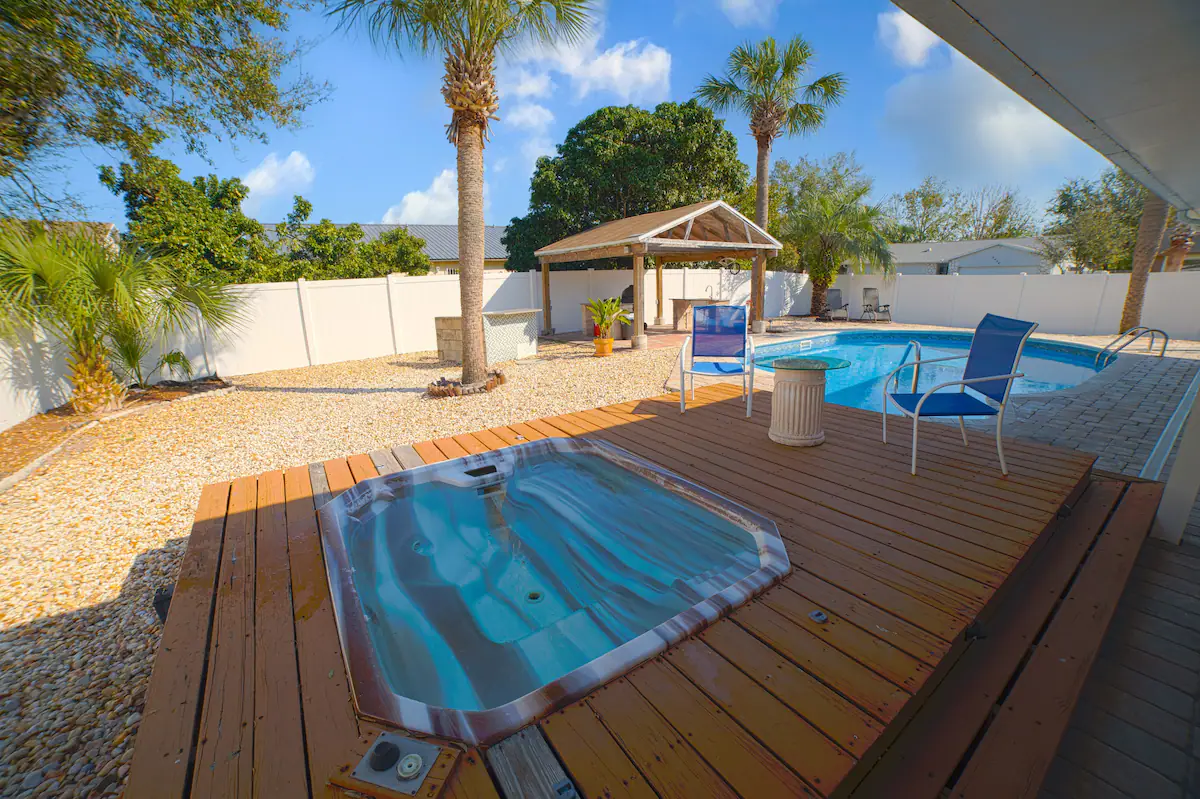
x,y
375,699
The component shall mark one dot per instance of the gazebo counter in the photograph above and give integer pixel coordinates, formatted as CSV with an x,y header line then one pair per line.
x,y
705,231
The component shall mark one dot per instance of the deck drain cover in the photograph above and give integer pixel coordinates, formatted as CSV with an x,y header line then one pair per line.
x,y
534,596
397,763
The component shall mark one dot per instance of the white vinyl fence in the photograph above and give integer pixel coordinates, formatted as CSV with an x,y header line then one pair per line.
x,y
307,323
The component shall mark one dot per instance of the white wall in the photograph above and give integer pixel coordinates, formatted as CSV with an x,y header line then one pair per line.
x,y
304,323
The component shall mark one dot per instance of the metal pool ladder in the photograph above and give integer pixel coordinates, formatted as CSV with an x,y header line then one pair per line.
x,y
915,348
1128,337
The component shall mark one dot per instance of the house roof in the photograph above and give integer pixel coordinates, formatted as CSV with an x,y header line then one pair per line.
x,y
939,252
441,241
700,231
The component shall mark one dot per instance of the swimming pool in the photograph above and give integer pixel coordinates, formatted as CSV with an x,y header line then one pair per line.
x,y
1048,365
475,595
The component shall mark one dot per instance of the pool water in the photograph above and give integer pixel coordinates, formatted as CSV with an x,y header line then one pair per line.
x,y
485,579
1047,365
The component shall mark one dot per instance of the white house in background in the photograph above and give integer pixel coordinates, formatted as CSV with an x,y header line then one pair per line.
x,y
976,257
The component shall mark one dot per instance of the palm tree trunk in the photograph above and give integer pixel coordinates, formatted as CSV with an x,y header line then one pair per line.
x,y
819,289
758,276
470,252
94,388
1150,234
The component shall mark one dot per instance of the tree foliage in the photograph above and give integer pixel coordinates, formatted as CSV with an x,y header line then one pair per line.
x,y
199,228
935,212
622,161
766,84
103,304
126,74
1094,223
834,228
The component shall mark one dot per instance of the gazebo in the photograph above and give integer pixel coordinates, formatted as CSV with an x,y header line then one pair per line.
x,y
705,231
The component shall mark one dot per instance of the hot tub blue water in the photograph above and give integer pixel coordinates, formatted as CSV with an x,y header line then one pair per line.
x,y
1047,365
482,580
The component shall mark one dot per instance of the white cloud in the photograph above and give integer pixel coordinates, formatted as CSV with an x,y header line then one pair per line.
x,y
909,41
537,146
966,126
521,82
273,176
437,205
743,13
530,116
500,165
634,70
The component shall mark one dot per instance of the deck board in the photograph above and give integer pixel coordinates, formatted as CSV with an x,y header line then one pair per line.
x,y
766,702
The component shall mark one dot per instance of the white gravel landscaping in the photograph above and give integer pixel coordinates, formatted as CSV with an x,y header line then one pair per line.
x,y
88,537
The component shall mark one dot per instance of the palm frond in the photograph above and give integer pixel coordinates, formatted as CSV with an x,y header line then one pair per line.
x,y
826,90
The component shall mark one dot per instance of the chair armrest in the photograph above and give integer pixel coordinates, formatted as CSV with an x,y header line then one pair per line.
x,y
969,381
904,366
687,343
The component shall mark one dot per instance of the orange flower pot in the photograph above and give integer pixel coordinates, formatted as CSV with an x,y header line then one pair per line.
x,y
603,347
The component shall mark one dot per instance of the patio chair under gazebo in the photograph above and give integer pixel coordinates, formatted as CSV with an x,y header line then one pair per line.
x,y
706,231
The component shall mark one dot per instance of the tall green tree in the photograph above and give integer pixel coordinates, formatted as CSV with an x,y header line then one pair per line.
x,y
930,212
767,85
833,229
102,304
998,212
468,34
126,74
622,161
1094,223
197,227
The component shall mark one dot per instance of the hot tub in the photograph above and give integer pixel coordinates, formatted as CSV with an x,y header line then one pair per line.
x,y
475,596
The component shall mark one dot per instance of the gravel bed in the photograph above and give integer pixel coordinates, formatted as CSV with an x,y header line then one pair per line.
x,y
88,537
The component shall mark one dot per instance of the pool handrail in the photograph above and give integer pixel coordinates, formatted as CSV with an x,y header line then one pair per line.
x,y
1133,333
914,347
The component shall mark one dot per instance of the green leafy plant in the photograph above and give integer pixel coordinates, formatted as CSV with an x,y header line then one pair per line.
x,y
837,229
102,303
606,313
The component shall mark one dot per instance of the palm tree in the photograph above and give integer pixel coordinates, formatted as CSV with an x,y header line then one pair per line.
x,y
766,85
103,304
468,34
1149,236
836,228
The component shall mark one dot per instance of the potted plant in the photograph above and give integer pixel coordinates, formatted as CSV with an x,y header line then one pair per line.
x,y
605,313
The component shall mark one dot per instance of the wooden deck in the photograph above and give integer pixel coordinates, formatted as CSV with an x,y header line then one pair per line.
x,y
937,588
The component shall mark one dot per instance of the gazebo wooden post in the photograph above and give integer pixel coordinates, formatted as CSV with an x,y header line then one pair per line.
x,y
639,300
659,319
758,294
547,327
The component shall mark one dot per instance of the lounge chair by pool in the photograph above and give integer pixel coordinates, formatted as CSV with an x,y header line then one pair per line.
x,y
718,331
990,371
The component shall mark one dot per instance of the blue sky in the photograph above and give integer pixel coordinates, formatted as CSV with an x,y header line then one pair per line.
x,y
376,149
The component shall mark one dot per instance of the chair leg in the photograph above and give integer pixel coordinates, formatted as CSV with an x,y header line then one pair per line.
x,y
693,388
916,421
885,410
962,427
683,392
999,443
750,394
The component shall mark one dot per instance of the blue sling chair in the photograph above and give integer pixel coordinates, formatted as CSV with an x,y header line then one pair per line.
x,y
718,331
990,371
